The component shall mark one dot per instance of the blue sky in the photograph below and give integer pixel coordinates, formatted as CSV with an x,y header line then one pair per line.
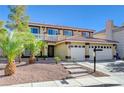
x,y
91,17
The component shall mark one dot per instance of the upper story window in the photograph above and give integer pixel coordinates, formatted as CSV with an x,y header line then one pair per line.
x,y
68,33
86,34
35,30
53,31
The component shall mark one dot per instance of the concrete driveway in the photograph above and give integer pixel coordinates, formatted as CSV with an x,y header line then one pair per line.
x,y
114,68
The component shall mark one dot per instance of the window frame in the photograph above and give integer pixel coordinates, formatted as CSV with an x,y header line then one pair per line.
x,y
67,31
86,34
53,33
38,30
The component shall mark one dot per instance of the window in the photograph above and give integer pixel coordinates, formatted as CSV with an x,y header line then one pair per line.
x,y
53,31
85,34
68,33
35,30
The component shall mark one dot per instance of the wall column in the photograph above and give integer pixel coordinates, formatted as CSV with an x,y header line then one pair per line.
x,y
87,51
61,35
68,57
91,34
45,50
114,50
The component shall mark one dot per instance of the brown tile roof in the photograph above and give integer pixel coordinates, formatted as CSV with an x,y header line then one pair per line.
x,y
61,27
88,40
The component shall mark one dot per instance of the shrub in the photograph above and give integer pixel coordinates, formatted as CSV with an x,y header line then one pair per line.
x,y
57,59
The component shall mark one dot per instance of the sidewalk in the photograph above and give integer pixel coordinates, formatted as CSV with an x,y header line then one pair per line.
x,y
77,82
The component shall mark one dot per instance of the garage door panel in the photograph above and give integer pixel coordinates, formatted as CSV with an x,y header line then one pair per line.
x,y
101,55
77,53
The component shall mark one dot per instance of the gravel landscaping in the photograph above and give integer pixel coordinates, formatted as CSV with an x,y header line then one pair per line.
x,y
33,73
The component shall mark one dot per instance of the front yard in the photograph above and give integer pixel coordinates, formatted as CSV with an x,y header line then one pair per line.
x,y
49,71
33,73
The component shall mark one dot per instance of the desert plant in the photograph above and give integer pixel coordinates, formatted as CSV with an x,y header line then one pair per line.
x,y
57,59
18,21
35,48
12,44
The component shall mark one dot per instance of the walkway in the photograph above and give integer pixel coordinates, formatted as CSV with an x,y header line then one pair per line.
x,y
78,82
75,70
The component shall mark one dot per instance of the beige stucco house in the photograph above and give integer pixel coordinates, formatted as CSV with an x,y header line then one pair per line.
x,y
71,43
115,33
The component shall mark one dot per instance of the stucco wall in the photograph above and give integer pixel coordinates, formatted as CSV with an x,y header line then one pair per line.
x,y
100,35
61,50
119,36
75,33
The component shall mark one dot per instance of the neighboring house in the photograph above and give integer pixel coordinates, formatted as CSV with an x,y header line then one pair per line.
x,y
115,33
71,43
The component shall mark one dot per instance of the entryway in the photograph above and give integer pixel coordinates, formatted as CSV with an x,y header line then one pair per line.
x,y
50,50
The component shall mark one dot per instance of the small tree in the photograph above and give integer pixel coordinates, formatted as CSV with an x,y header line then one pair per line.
x,y
57,59
18,21
12,44
35,48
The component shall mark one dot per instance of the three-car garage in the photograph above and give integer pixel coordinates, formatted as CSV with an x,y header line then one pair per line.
x,y
78,52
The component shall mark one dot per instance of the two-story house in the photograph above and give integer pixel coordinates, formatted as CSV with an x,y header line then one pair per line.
x,y
71,43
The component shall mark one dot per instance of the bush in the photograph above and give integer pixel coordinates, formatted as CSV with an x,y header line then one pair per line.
x,y
57,59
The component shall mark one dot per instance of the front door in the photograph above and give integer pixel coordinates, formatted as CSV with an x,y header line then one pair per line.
x,y
50,51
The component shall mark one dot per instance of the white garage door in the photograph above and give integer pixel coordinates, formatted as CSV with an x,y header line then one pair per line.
x,y
78,53
106,54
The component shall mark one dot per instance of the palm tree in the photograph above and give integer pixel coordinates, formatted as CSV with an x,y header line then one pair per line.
x,y
12,45
35,48
18,20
